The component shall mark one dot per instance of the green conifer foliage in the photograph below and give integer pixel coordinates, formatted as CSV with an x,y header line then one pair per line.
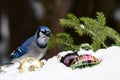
x,y
96,28
63,40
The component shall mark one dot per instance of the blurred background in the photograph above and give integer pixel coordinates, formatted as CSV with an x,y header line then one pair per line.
x,y
19,19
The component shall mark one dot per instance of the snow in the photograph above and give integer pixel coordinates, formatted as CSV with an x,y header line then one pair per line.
x,y
108,69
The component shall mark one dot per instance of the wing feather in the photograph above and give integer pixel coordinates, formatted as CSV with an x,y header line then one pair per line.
x,y
23,49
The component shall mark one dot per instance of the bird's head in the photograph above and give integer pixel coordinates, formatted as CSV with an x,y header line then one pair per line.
x,y
42,36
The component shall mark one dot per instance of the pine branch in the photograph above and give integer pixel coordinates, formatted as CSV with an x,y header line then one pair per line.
x,y
63,40
101,19
95,28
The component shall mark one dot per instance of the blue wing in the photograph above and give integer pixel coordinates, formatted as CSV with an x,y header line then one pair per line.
x,y
23,49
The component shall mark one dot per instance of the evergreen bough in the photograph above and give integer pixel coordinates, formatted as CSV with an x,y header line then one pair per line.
x,y
95,28
63,40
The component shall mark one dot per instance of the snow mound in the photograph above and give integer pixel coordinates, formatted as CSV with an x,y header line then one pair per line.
x,y
108,69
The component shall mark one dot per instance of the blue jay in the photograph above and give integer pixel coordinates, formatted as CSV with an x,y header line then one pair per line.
x,y
35,46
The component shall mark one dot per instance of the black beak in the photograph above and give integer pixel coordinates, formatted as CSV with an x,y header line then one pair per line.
x,y
48,35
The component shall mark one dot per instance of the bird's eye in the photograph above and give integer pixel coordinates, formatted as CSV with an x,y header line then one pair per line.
x,y
43,32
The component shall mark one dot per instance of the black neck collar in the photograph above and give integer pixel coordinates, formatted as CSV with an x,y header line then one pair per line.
x,y
41,46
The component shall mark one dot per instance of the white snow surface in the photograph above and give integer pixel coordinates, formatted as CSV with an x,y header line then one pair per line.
x,y
108,69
